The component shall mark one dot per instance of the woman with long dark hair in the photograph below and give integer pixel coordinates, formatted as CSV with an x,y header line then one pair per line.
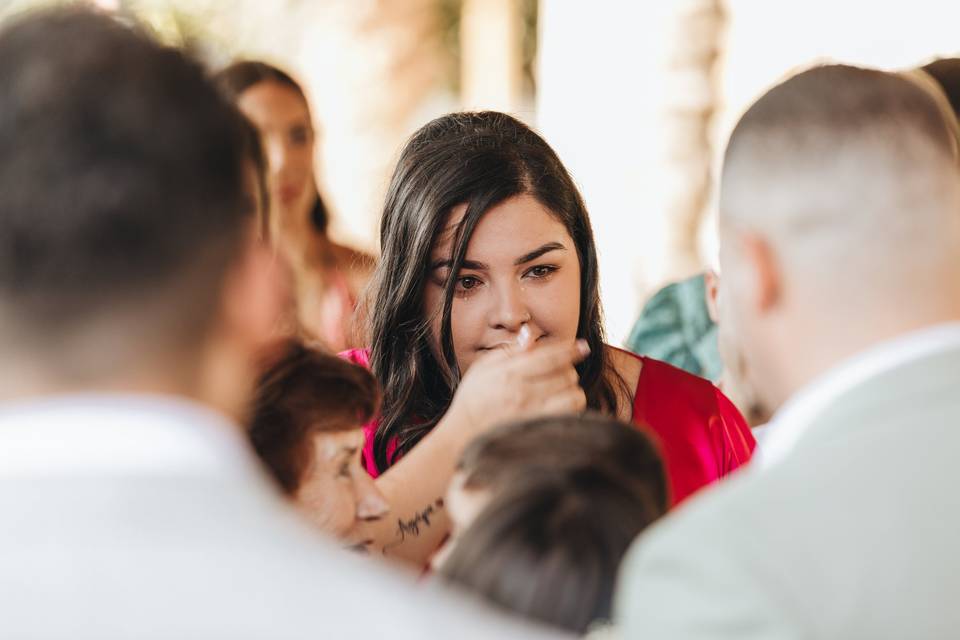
x,y
488,264
328,277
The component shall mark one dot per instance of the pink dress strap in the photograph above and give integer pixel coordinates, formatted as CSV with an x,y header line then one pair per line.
x,y
362,357
337,306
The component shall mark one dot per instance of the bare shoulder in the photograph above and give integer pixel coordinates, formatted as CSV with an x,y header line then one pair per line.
x,y
351,259
626,364
356,266
628,367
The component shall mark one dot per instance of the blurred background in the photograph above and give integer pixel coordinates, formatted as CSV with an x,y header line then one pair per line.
x,y
637,97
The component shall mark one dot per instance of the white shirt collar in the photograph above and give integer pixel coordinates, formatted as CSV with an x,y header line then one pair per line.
x,y
117,433
792,420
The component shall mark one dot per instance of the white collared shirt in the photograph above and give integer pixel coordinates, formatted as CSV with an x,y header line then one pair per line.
x,y
117,434
798,413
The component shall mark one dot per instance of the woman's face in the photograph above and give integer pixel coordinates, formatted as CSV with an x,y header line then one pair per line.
x,y
283,120
337,494
521,268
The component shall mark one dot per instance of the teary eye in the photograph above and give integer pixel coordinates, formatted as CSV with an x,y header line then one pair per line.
x,y
541,271
467,282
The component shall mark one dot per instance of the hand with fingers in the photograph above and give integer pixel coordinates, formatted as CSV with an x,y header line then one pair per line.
x,y
526,381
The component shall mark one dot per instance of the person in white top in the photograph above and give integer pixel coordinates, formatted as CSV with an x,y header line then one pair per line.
x,y
132,300
840,259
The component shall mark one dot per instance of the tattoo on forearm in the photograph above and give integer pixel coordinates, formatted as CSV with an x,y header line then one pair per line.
x,y
413,527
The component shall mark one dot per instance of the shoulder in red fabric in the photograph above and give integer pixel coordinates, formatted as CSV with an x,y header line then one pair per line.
x,y
702,435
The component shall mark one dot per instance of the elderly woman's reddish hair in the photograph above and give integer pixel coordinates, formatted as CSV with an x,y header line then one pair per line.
x,y
299,394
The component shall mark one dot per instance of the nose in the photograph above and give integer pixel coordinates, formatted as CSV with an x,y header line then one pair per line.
x,y
371,504
276,153
510,311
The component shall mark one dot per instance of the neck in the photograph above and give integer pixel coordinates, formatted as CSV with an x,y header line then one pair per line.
x,y
296,233
199,378
823,343
22,379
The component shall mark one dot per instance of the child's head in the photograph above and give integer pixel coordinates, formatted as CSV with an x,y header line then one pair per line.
x,y
514,453
306,427
549,546
483,232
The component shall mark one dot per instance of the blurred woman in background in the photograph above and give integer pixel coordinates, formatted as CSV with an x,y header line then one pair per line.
x,y
328,277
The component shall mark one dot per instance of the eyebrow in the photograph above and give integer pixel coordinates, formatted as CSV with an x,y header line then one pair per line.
x,y
536,253
524,259
467,264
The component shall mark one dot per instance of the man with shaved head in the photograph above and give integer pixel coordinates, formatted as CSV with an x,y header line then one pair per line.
x,y
840,311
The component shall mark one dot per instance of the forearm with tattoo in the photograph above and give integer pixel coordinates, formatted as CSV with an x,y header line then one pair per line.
x,y
416,525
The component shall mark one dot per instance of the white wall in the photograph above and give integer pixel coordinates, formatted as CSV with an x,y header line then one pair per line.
x,y
613,98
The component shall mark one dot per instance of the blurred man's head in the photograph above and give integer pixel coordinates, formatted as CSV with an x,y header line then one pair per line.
x,y
839,225
126,258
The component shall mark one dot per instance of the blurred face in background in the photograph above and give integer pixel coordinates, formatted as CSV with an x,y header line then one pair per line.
x,y
281,115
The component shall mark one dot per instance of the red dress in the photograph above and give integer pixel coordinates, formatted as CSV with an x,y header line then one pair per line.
x,y
701,435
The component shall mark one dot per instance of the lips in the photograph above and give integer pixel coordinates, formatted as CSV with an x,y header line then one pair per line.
x,y
501,345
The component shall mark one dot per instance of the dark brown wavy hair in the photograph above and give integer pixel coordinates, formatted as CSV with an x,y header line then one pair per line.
x,y
480,159
300,393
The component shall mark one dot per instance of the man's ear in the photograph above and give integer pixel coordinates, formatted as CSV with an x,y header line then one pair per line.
x,y
764,274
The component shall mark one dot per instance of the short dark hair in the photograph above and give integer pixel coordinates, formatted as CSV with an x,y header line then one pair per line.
x,y
550,547
302,393
239,76
564,442
121,188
